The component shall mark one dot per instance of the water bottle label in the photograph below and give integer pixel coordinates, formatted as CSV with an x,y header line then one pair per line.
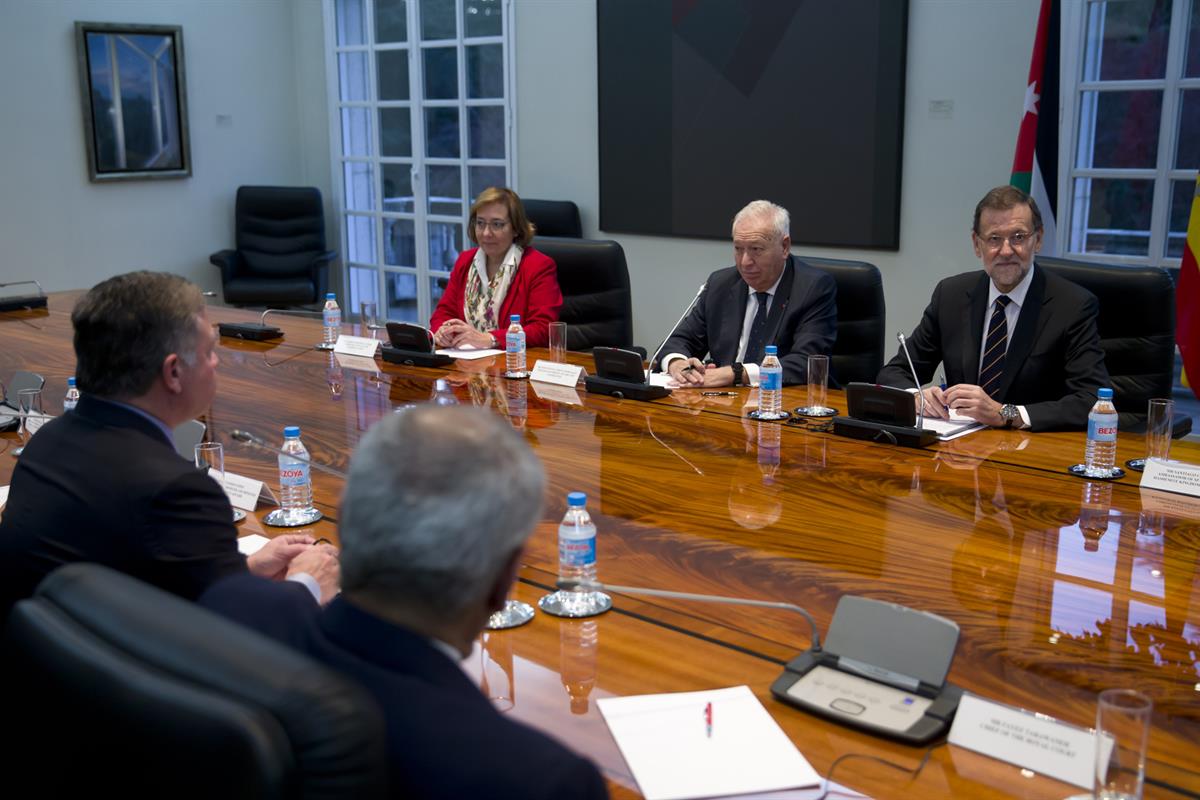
x,y
515,342
577,552
1102,430
333,317
293,475
770,380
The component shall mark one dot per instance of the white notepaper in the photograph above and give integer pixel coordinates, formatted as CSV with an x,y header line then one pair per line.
x,y
469,353
664,741
356,345
249,545
662,379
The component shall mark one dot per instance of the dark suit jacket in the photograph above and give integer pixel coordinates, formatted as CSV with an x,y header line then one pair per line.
x,y
802,321
1054,364
102,483
444,738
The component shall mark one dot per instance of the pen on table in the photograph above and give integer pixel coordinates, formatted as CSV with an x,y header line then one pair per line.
x,y
718,394
708,719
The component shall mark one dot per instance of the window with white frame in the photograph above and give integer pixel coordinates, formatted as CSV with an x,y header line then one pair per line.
x,y
1132,104
421,102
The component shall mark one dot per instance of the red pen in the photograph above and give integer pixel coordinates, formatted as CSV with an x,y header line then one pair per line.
x,y
708,719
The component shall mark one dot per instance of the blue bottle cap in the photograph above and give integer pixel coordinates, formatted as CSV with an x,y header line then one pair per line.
x,y
1104,394
330,296
291,431
577,499
772,350
71,381
515,318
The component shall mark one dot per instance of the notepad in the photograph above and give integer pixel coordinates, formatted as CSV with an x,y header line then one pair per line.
x,y
665,741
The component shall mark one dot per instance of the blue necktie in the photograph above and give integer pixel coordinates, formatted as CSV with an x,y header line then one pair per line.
x,y
758,331
995,349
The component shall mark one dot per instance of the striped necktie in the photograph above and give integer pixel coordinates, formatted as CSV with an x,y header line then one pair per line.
x,y
757,340
995,348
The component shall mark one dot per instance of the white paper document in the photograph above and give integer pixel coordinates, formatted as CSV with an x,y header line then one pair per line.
x,y
469,353
662,379
249,545
948,429
666,743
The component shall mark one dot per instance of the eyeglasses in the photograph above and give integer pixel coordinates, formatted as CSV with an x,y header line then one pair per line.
x,y
497,225
1017,241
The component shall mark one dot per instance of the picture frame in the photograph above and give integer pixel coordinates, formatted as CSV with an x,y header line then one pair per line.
x,y
133,88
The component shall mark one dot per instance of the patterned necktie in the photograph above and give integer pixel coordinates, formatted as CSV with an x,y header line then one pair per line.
x,y
995,348
758,331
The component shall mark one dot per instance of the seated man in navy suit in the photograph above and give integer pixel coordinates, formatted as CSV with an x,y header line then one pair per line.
x,y
437,508
768,297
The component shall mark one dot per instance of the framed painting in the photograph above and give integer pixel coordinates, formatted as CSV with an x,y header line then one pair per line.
x,y
134,100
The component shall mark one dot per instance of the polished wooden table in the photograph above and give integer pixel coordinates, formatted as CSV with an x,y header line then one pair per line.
x,y
1061,587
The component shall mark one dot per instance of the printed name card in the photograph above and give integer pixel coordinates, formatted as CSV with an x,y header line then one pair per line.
x,y
556,373
243,492
356,345
34,422
1030,741
1172,476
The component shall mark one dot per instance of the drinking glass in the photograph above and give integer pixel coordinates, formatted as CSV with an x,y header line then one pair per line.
x,y
210,456
368,314
29,404
558,342
1159,417
1123,718
818,388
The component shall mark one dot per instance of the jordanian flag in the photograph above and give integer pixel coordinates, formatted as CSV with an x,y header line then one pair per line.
x,y
1035,166
1187,300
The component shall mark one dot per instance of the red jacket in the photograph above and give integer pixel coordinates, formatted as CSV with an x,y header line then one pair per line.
x,y
533,293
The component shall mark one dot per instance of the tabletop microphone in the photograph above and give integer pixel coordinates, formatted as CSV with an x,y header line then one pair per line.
x,y
916,380
245,437
671,332
23,302
569,585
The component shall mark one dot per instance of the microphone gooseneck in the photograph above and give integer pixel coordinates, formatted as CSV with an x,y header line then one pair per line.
x,y
671,332
916,380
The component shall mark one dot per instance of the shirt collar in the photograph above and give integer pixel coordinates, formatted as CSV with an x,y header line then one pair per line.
x,y
513,256
158,423
1017,295
774,285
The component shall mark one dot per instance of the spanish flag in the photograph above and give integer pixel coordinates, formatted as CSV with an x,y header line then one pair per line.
x,y
1187,300
1035,164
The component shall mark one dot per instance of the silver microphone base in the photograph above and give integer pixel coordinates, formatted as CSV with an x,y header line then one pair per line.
x,y
513,615
292,519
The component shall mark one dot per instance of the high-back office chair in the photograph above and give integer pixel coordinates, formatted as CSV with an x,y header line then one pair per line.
x,y
554,217
116,685
594,278
862,314
280,257
1137,332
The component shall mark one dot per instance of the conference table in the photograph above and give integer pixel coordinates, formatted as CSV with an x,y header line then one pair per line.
x,y
1061,587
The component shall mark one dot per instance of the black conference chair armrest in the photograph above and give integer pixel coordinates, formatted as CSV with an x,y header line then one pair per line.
x,y
228,262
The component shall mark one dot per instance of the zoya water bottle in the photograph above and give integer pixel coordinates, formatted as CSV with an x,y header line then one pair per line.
x,y
295,480
514,350
576,562
72,397
331,319
770,385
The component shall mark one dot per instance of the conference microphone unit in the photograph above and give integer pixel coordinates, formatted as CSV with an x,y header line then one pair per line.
x,y
885,413
619,374
883,668
245,437
23,302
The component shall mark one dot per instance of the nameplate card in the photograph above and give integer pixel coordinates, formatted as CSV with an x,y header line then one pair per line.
x,y
556,373
559,394
1029,740
34,423
243,492
360,363
1172,476
356,345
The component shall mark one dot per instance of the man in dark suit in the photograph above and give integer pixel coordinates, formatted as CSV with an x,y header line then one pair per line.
x,y
437,508
103,483
1019,345
768,297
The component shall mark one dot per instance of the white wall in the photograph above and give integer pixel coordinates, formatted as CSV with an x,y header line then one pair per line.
x,y
972,52
257,61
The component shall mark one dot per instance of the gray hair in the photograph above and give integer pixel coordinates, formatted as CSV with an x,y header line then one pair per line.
x,y
438,499
778,216
126,326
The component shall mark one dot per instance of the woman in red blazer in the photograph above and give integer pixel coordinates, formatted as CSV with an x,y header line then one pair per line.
x,y
500,277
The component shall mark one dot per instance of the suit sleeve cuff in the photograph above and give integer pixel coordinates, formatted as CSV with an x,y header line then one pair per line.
x,y
1025,424
667,359
751,374
308,582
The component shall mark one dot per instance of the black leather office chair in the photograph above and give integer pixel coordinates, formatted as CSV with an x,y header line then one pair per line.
x,y
862,314
554,217
113,684
280,257
1137,332
594,278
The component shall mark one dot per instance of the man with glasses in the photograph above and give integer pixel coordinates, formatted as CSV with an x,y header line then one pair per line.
x,y
1019,346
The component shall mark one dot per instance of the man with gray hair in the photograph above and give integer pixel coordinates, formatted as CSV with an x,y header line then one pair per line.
x,y
434,518
768,297
103,483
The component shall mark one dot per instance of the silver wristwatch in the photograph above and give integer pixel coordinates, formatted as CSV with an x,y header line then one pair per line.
x,y
1010,414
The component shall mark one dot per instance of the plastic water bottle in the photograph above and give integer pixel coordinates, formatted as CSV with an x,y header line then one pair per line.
x,y
331,319
770,385
514,356
577,558
295,482
72,397
1101,452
